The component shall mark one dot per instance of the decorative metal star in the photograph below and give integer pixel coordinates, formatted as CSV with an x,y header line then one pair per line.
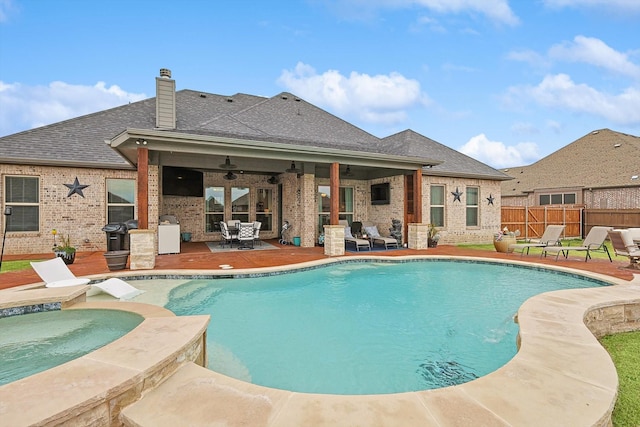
x,y
490,199
456,195
75,188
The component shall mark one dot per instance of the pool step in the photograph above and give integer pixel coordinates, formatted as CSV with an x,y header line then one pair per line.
x,y
196,396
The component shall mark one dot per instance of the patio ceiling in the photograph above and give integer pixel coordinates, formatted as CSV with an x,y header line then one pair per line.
x,y
258,157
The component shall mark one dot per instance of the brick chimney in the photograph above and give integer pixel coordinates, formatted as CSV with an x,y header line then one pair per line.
x,y
165,100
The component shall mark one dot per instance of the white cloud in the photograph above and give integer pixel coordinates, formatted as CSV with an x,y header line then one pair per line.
x,y
496,10
499,155
375,99
620,5
559,91
595,52
26,107
528,56
6,10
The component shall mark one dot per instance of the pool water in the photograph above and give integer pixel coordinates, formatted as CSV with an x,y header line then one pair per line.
x,y
367,327
33,343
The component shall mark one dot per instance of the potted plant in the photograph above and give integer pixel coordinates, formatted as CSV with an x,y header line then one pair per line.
x,y
434,236
64,250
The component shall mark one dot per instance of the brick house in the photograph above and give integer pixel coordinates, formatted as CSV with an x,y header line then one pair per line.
x,y
598,171
207,158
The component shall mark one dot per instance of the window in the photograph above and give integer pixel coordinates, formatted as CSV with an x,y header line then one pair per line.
x,y
437,205
22,193
472,206
121,199
264,208
240,202
557,199
213,208
345,205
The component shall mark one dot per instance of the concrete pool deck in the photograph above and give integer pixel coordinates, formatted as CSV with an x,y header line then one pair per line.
x,y
560,376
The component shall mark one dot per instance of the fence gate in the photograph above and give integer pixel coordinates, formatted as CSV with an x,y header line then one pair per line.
x,y
533,220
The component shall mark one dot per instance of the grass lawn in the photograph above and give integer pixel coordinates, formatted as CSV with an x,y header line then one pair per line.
x,y
624,349
15,265
568,243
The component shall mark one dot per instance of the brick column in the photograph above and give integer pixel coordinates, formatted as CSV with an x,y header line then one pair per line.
x,y
334,240
142,247
418,236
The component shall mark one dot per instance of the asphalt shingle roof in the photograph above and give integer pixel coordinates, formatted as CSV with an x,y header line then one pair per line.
x,y
601,159
283,118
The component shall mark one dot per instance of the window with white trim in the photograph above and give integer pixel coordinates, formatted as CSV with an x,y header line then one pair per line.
x,y
472,206
436,210
121,200
22,194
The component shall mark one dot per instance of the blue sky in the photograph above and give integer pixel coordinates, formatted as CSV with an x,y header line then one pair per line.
x,y
505,82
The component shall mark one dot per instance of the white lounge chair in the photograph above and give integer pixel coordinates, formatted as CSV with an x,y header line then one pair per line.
x,y
623,245
55,274
593,242
550,237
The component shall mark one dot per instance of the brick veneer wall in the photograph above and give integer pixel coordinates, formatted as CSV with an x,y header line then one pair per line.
x,y
80,218
455,229
599,198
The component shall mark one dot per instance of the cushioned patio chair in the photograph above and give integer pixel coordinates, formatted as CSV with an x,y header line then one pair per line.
x,y
593,242
373,233
257,225
623,245
55,274
550,237
357,242
245,235
227,236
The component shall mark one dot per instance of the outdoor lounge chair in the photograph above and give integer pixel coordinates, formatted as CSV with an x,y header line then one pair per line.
x,y
227,236
550,237
374,235
359,243
593,242
623,245
56,274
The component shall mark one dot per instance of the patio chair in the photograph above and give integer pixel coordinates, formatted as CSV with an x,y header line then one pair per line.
x,y
593,242
359,243
55,274
373,233
624,245
245,235
227,236
550,237
257,225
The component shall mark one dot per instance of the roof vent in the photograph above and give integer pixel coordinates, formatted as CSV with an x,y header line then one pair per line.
x,y
202,95
229,99
616,145
634,177
284,97
595,132
165,73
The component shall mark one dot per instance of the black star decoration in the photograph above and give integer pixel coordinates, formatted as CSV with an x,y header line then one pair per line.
x,y
456,195
490,199
75,188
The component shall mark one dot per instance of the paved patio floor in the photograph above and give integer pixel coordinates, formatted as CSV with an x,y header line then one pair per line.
x,y
196,256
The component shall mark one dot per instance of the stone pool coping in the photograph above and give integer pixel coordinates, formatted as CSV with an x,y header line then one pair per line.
x,y
560,375
92,390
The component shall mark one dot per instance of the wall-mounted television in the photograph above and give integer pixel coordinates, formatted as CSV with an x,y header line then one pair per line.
x,y
380,194
182,182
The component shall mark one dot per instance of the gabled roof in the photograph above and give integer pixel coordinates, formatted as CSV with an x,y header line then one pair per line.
x,y
281,119
454,163
601,159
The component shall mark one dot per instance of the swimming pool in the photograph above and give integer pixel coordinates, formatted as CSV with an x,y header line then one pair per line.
x,y
367,327
33,343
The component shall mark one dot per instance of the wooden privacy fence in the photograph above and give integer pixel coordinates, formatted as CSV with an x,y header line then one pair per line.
x,y
533,220
616,218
